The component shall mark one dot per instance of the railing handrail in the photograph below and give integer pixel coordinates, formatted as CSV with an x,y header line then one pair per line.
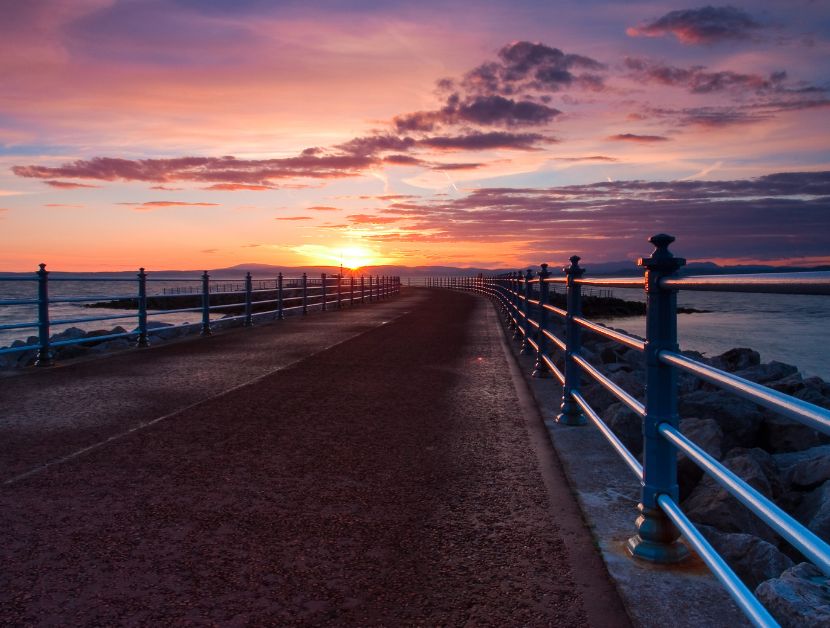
x,y
292,293
662,439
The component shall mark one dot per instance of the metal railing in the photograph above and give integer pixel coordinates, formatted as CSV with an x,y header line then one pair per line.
x,y
273,299
525,300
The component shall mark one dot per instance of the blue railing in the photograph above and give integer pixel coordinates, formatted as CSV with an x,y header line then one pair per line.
x,y
525,299
273,299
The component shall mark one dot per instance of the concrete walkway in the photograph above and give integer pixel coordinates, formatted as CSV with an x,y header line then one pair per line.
x,y
376,466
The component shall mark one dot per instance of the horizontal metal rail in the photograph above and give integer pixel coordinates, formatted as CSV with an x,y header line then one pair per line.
x,y
18,326
737,590
625,339
802,411
609,435
769,283
612,282
610,386
813,548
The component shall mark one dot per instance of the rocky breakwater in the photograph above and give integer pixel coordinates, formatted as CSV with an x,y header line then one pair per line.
x,y
786,461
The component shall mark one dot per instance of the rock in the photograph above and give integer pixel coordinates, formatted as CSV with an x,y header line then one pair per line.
x,y
618,366
736,359
812,395
779,434
111,345
805,469
710,504
71,333
627,425
705,433
800,598
770,372
814,511
788,385
740,420
753,559
819,384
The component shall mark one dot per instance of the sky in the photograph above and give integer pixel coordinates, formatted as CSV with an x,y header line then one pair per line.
x,y
190,134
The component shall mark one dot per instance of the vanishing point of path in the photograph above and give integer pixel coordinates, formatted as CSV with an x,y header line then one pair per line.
x,y
376,466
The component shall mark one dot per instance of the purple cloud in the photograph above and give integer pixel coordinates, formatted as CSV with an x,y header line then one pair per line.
x,y
700,26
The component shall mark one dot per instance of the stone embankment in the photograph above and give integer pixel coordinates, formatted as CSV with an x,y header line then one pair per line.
x,y
786,461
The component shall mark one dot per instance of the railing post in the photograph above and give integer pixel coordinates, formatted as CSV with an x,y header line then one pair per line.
x,y
377,287
517,304
570,412
249,290
656,538
540,369
206,304
339,289
526,348
362,288
279,297
323,289
142,309
44,354
351,291
305,294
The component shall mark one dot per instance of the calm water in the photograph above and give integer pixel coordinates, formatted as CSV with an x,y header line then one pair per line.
x,y
787,328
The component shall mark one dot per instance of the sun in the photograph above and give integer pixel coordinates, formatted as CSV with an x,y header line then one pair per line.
x,y
354,257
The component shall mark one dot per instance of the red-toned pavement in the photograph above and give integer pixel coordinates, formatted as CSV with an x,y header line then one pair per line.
x,y
390,479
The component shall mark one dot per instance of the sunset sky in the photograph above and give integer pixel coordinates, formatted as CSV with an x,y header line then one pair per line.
x,y
204,133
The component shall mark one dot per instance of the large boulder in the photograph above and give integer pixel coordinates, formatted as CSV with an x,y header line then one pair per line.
x,y
806,469
736,359
753,559
739,419
712,505
70,333
769,372
780,434
800,598
707,435
627,425
814,511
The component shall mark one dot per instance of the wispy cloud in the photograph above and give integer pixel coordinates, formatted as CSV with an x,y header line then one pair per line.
x,y
293,218
631,137
150,205
68,185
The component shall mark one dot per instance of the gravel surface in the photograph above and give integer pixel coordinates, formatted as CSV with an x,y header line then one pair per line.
x,y
388,480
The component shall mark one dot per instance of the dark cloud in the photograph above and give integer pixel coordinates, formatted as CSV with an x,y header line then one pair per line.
x,y
705,215
485,141
373,144
700,26
490,110
457,166
698,81
631,137
402,160
205,169
524,67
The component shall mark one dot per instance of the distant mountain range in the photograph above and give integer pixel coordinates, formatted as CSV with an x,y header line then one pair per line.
x,y
626,268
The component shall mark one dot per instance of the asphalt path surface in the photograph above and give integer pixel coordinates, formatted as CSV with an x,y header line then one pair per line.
x,y
368,467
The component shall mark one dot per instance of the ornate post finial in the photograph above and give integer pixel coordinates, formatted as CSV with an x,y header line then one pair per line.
x,y
661,258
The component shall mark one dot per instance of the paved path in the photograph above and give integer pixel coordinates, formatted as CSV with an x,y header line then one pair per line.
x,y
370,467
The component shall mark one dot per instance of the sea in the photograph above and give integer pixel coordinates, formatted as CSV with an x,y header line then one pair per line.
x,y
788,328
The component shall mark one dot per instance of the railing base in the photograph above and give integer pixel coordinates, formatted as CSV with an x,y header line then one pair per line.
x,y
540,370
657,538
44,359
571,414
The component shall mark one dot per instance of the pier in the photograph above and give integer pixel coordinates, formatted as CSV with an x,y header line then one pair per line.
x,y
366,467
